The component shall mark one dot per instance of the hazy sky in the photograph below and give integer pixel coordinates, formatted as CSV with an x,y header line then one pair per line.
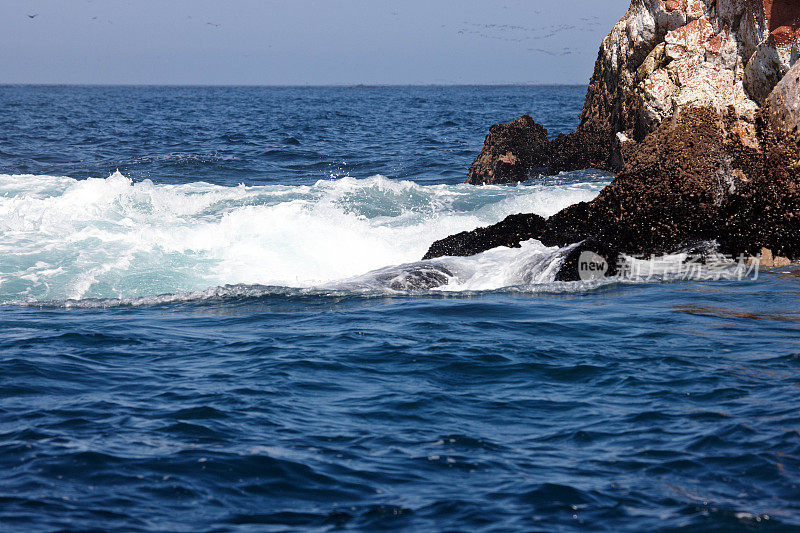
x,y
302,41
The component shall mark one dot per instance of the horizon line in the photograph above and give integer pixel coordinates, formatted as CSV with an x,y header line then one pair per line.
x,y
279,85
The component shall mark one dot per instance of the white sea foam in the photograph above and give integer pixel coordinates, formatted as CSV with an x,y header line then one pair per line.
x,y
66,239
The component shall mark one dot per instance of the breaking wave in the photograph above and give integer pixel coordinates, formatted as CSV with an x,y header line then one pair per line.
x,y
67,239
112,241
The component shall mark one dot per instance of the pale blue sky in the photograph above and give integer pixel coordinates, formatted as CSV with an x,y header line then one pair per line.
x,y
302,41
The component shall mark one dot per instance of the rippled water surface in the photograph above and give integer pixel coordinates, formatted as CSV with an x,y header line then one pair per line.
x,y
213,316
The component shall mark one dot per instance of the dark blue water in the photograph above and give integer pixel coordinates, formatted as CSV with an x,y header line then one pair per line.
x,y
178,352
286,135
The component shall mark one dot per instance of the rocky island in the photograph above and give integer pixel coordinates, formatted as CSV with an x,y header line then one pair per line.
x,y
695,105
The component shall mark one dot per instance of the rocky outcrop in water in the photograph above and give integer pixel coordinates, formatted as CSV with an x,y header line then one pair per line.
x,y
668,195
520,149
694,178
697,105
666,56
511,152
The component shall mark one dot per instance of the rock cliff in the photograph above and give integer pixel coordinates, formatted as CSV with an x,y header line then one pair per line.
x,y
664,56
696,102
667,55
765,211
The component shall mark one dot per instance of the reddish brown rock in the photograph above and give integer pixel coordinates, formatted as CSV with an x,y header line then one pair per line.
x,y
661,57
667,55
674,101
511,152
783,18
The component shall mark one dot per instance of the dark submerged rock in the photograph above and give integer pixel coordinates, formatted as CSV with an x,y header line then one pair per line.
x,y
591,249
421,277
510,232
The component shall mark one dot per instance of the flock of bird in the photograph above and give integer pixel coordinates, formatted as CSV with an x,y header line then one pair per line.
x,y
34,15
515,33
501,32
520,34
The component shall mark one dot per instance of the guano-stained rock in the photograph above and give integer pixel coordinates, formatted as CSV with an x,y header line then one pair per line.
x,y
698,104
661,57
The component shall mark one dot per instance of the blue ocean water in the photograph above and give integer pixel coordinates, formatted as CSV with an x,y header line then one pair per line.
x,y
211,318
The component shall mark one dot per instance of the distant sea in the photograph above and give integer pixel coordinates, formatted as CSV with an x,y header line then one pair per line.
x,y
211,319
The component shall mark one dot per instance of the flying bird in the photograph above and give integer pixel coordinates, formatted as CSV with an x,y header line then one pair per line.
x,y
212,24
33,16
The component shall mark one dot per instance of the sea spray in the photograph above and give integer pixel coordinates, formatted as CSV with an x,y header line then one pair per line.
x,y
67,239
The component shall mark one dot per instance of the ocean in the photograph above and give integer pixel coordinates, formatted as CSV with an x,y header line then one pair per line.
x,y
214,317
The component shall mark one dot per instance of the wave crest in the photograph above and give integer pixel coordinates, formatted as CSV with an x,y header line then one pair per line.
x,y
67,239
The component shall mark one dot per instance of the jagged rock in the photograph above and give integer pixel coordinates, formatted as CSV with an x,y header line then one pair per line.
x,y
511,153
668,195
520,149
674,101
660,58
663,56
